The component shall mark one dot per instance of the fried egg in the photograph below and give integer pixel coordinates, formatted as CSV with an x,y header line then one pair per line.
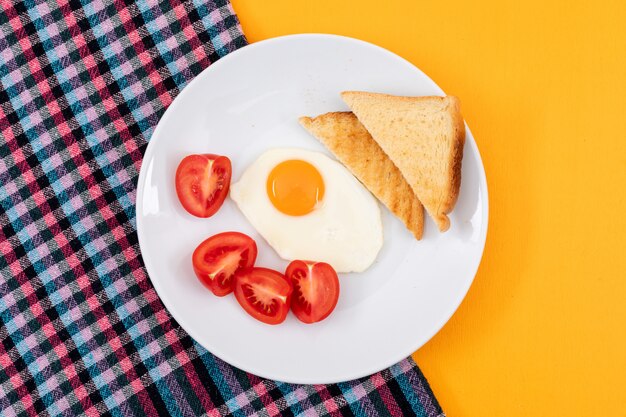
x,y
310,207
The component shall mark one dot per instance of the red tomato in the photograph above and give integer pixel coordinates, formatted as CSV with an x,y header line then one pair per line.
x,y
315,290
202,183
265,294
217,259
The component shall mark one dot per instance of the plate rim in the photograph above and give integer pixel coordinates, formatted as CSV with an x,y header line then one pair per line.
x,y
366,370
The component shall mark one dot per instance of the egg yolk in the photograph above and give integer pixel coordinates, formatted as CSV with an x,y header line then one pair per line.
x,y
295,187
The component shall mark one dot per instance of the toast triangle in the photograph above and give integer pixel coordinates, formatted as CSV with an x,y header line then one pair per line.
x,y
424,137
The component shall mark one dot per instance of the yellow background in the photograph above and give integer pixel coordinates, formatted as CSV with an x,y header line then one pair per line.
x,y
542,331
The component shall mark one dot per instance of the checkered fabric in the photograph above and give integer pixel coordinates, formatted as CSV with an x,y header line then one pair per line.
x,y
82,87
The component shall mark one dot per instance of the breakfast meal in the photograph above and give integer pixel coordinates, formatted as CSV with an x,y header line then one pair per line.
x,y
321,214
353,146
290,193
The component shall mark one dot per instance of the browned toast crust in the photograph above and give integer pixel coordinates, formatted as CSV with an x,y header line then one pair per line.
x,y
351,143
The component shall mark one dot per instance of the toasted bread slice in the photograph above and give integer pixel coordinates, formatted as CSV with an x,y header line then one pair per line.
x,y
424,137
347,139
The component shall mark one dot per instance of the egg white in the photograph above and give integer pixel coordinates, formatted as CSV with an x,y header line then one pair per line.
x,y
345,230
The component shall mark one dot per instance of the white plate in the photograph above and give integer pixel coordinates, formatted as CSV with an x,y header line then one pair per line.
x,y
246,103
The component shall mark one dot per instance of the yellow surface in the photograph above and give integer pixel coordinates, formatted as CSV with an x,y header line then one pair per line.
x,y
542,331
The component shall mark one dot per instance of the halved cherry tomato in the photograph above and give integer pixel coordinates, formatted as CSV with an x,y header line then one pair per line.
x,y
315,290
217,259
265,294
202,183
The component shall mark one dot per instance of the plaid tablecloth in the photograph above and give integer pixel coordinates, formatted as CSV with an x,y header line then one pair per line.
x,y
82,87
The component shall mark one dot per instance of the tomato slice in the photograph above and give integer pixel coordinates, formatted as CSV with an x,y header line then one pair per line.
x,y
265,294
315,290
202,183
220,257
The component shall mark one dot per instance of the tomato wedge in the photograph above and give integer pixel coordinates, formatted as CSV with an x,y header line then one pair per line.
x,y
220,257
315,290
265,294
202,183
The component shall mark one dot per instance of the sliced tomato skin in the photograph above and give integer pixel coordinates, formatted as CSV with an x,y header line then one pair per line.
x,y
202,183
213,260
273,284
316,290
